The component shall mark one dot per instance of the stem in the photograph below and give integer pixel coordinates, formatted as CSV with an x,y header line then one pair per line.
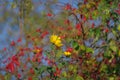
x,y
83,32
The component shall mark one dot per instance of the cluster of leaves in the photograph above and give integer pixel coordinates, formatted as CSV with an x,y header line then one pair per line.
x,y
69,46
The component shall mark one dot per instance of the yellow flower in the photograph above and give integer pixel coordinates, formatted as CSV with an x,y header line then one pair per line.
x,y
66,53
58,43
36,51
56,40
53,38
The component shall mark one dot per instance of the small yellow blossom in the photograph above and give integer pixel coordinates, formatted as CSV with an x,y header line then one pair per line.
x,y
56,40
53,38
36,50
66,53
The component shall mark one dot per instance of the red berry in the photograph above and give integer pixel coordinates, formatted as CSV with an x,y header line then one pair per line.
x,y
67,21
19,40
29,78
49,14
32,71
69,49
93,25
106,30
38,30
12,43
68,7
78,26
4,49
19,76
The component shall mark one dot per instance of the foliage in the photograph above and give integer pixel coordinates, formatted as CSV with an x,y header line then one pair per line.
x,y
66,45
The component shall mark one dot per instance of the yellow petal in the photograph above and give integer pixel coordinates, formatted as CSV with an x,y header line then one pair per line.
x,y
53,38
58,43
67,53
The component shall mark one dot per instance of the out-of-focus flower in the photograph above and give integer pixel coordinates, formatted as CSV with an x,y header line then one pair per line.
x,y
67,53
53,38
37,50
56,40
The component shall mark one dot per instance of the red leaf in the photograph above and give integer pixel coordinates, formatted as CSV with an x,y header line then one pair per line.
x,y
29,78
118,11
15,60
84,19
78,26
79,33
68,7
10,67
85,1
44,34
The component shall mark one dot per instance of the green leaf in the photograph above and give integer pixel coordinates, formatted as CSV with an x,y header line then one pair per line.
x,y
7,76
63,78
103,67
89,50
79,78
97,32
119,53
118,27
42,69
13,5
111,78
107,53
82,47
75,45
64,73
113,47
114,32
59,53
35,78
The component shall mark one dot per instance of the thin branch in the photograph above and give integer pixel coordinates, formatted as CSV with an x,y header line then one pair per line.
x,y
83,32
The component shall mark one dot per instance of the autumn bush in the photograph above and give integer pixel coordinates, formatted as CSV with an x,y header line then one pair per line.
x,y
80,42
